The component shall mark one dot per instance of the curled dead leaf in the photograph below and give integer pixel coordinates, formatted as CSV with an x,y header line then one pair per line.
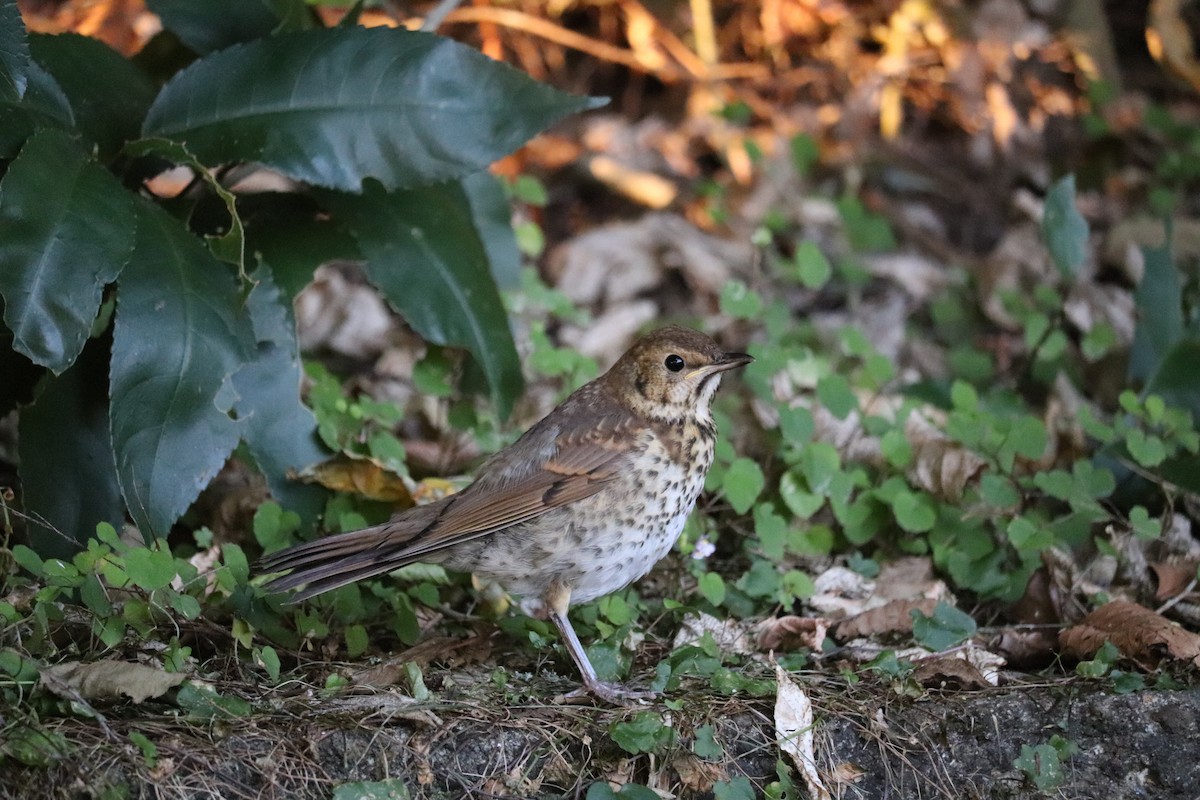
x,y
1142,635
1172,579
791,633
697,774
948,673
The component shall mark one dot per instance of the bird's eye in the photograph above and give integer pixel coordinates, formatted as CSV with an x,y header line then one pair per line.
x,y
673,363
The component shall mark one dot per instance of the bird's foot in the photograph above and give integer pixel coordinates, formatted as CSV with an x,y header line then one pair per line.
x,y
613,693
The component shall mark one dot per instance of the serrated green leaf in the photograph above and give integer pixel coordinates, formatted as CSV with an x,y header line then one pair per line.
x,y
229,246
66,230
1064,228
334,107
108,111
278,429
179,337
43,106
493,222
424,254
216,24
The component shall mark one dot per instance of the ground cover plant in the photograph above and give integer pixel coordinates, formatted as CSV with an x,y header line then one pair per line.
x,y
967,454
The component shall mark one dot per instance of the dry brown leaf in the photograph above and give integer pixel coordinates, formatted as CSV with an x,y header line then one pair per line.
x,y
894,617
949,672
841,592
362,476
1142,635
1027,649
109,680
939,465
791,633
696,774
909,578
1172,579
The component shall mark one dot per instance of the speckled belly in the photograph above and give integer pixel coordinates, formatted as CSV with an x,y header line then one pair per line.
x,y
594,546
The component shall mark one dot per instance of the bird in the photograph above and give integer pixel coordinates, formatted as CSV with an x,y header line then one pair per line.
x,y
584,503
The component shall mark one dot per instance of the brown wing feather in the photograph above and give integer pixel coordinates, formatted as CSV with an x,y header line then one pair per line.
x,y
576,465
581,464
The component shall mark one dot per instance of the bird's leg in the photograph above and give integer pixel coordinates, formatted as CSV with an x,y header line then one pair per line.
x,y
557,599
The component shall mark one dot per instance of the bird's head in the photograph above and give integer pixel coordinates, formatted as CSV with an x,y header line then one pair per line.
x,y
671,372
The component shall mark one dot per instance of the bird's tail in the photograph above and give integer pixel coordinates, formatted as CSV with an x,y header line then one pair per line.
x,y
334,561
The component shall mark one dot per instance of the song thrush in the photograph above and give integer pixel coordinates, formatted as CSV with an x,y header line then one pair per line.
x,y
583,504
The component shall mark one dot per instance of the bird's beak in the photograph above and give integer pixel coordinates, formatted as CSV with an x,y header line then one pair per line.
x,y
726,362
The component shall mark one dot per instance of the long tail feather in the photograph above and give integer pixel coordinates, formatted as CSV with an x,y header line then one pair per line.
x,y
334,561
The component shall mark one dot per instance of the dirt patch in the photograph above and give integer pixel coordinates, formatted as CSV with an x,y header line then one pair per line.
x,y
1145,744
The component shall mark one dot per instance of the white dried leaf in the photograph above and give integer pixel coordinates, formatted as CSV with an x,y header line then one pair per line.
x,y
794,732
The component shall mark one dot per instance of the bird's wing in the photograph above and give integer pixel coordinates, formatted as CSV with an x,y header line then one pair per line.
x,y
553,468
578,465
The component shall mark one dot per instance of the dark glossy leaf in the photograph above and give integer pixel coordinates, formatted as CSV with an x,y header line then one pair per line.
x,y
423,253
279,430
180,334
66,230
229,246
43,106
295,247
208,25
67,468
334,107
1160,313
108,111
493,222
14,52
